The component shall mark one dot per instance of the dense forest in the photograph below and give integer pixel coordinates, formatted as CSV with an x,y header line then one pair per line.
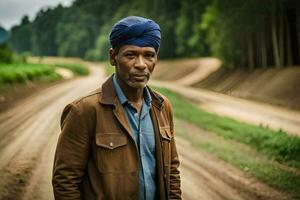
x,y
244,34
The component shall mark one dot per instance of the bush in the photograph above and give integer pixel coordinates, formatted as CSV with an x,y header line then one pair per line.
x,y
22,72
6,54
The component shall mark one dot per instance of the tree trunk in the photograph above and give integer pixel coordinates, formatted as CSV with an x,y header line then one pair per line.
x,y
263,50
298,35
250,53
275,43
288,43
243,59
257,56
281,38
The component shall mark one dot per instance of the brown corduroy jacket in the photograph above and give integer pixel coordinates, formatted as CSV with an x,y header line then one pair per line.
x,y
96,156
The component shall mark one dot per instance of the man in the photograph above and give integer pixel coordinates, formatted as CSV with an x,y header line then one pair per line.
x,y
118,142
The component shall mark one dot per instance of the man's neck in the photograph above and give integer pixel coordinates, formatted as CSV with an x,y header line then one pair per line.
x,y
133,95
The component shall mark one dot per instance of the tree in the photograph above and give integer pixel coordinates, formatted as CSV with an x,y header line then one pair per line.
x,y
44,31
248,34
21,36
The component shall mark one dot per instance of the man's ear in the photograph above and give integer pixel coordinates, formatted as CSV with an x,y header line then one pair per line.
x,y
112,57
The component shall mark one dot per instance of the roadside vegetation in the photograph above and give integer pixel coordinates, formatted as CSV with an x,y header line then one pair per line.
x,y
243,34
11,73
271,156
108,68
21,72
77,69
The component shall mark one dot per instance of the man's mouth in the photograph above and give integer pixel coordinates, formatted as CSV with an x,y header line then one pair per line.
x,y
139,76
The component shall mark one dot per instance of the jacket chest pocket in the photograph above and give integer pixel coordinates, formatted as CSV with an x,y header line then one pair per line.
x,y
111,150
166,138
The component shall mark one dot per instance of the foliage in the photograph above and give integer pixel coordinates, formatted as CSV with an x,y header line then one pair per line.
x,y
4,35
21,72
6,54
100,52
109,69
189,35
250,33
75,39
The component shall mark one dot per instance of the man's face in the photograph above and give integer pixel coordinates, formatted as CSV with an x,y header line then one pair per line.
x,y
134,64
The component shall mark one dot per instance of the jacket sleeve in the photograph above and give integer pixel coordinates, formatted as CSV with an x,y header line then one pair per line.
x,y
175,182
71,155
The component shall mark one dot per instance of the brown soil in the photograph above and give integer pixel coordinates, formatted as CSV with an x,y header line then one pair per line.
x,y
29,132
206,177
254,112
10,95
275,86
170,70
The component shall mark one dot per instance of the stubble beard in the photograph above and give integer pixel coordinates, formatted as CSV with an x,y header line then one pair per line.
x,y
136,84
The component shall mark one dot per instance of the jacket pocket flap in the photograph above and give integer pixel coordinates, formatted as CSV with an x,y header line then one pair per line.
x,y
110,141
166,133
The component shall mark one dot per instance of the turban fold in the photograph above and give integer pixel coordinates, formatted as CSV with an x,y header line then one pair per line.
x,y
136,31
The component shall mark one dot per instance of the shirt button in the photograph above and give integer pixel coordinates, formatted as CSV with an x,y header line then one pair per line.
x,y
111,144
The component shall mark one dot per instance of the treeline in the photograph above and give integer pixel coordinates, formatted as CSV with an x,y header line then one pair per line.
x,y
248,34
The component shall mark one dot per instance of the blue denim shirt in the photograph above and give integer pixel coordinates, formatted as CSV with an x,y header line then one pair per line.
x,y
143,135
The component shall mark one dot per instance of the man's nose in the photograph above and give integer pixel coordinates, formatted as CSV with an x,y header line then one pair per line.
x,y
140,63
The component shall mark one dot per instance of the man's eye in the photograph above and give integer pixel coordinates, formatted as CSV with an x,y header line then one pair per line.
x,y
149,55
130,55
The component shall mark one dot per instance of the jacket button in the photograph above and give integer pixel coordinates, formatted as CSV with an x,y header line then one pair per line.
x,y
111,144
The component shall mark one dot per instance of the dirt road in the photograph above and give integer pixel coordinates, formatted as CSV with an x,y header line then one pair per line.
x,y
206,66
29,133
240,109
205,177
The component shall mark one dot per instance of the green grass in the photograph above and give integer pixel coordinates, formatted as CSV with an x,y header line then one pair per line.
x,y
77,69
245,159
276,157
276,144
109,68
21,72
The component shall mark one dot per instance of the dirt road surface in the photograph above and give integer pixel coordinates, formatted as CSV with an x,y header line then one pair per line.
x,y
205,177
29,133
240,109
205,67
30,130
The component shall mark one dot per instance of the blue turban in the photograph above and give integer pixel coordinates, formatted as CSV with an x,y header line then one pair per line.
x,y
136,31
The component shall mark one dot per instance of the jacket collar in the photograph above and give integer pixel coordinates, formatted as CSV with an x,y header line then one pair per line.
x,y
109,95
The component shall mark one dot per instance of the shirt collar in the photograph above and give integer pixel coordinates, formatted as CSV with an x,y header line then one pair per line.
x,y
122,97
147,96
